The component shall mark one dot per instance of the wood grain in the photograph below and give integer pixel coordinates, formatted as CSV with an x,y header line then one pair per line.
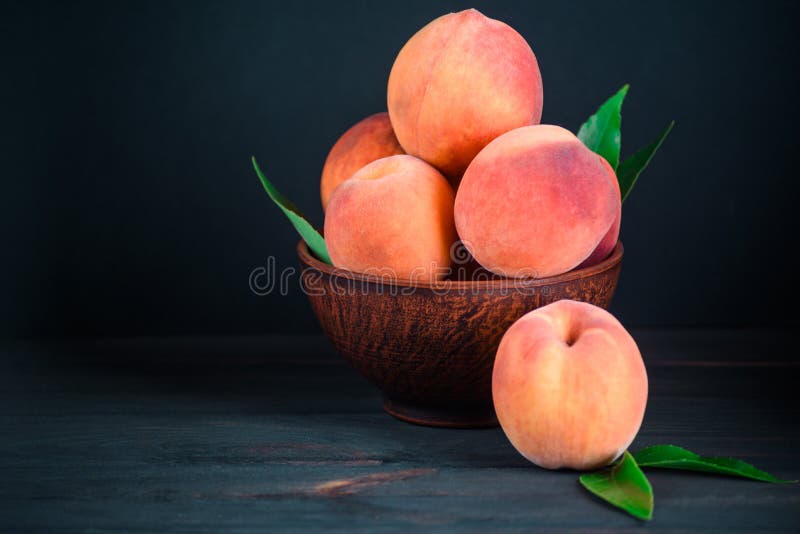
x,y
279,434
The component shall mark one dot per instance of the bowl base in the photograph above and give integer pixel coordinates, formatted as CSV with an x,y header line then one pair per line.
x,y
442,416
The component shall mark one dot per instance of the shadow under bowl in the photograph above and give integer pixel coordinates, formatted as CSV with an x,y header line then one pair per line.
x,y
430,346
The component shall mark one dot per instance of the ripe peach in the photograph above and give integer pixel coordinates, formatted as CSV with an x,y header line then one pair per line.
x,y
458,83
367,140
569,386
534,202
609,241
393,217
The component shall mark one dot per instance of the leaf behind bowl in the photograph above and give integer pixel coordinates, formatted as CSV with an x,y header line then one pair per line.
x,y
602,131
309,234
623,485
630,169
674,457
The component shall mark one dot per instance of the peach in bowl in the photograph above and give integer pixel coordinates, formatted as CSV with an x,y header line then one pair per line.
x,y
460,156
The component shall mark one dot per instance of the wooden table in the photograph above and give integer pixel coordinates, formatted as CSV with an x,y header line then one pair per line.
x,y
252,434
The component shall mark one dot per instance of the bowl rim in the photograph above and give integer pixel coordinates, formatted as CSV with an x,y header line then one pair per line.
x,y
609,263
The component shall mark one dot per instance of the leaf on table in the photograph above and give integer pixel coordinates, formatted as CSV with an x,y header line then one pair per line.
x,y
630,169
674,457
623,485
601,132
309,234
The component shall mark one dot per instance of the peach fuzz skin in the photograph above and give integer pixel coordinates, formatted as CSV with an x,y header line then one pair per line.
x,y
393,217
534,203
458,83
367,140
569,386
609,241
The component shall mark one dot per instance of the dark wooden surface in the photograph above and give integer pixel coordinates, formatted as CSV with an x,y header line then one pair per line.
x,y
248,435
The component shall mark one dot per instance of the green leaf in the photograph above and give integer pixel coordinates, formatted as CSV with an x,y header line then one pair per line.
x,y
630,169
309,234
673,457
624,485
601,132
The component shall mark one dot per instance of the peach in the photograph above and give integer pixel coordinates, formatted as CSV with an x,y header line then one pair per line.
x,y
569,386
367,140
393,217
534,202
609,241
458,83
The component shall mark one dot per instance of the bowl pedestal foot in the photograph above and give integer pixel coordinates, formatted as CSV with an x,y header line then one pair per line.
x,y
449,416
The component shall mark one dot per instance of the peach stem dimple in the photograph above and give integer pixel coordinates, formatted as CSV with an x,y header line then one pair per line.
x,y
572,334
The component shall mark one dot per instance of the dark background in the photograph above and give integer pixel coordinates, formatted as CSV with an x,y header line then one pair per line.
x,y
129,206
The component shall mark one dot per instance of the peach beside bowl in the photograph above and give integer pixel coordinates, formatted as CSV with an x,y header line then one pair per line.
x,y
430,347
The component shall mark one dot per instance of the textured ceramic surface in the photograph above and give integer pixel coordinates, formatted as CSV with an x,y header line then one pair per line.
x,y
430,347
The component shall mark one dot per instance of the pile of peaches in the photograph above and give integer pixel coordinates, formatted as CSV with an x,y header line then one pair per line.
x,y
461,157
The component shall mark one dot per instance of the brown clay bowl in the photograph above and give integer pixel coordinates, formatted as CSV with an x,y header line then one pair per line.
x,y
430,347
